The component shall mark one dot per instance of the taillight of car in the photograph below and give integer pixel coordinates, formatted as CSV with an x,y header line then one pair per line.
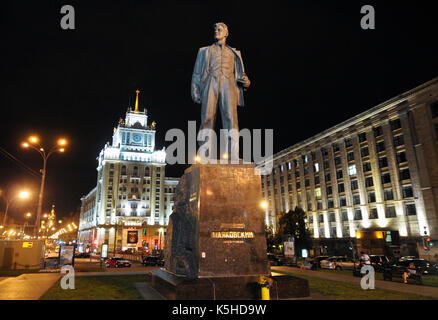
x,y
373,263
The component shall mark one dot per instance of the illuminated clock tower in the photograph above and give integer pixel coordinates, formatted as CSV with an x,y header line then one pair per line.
x,y
132,193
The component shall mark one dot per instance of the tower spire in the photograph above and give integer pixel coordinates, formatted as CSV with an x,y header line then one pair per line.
x,y
136,102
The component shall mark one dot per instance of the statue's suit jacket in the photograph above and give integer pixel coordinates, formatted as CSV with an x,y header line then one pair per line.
x,y
201,71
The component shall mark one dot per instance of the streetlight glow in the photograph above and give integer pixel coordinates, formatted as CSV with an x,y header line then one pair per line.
x,y
25,145
33,139
263,204
9,201
23,194
62,142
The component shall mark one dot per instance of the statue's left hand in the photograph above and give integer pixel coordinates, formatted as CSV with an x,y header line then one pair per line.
x,y
244,81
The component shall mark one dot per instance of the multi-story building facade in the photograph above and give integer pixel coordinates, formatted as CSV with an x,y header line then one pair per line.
x,y
132,201
375,172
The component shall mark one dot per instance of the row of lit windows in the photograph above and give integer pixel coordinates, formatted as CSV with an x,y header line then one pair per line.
x,y
390,212
380,146
352,171
369,182
135,170
407,192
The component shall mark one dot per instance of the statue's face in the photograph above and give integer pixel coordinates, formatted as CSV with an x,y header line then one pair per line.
x,y
220,32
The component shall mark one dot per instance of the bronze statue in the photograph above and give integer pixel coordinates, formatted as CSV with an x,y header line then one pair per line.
x,y
219,80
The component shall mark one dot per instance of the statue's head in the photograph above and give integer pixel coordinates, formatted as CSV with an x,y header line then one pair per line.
x,y
220,31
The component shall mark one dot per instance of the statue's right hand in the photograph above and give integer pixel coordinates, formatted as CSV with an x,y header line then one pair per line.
x,y
196,96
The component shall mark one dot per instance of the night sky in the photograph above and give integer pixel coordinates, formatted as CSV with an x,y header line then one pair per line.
x,y
310,64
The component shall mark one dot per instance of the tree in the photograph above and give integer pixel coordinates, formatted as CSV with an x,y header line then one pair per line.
x,y
272,239
292,223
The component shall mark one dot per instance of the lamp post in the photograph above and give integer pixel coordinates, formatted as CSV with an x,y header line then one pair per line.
x,y
160,231
21,195
33,143
27,216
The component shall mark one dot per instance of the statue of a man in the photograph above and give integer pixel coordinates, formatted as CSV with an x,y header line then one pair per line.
x,y
219,80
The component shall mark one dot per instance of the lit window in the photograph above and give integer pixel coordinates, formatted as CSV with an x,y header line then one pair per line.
x,y
352,170
318,192
316,167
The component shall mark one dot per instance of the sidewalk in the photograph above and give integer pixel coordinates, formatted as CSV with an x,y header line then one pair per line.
x,y
387,285
29,286
111,273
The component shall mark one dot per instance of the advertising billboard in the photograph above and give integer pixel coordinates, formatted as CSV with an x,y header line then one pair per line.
x,y
289,249
66,255
132,237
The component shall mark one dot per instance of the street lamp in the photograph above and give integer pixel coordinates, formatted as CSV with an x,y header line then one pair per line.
x,y
21,195
34,144
27,216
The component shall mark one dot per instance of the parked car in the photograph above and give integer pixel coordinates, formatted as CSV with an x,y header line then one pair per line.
x,y
344,263
153,261
395,270
423,266
117,263
338,263
317,260
378,261
328,263
274,260
407,258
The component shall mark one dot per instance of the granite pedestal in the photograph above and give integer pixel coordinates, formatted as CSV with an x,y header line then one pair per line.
x,y
215,247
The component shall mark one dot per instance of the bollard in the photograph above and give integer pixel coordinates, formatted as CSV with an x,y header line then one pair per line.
x,y
265,293
265,283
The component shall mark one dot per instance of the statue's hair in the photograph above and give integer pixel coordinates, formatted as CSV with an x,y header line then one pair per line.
x,y
223,26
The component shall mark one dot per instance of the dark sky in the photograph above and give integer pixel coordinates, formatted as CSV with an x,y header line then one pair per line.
x,y
310,64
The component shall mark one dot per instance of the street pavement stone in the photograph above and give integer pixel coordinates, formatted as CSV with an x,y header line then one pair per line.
x,y
426,291
27,286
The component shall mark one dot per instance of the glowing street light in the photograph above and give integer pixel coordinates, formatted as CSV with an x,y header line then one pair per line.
x,y
21,195
59,147
264,204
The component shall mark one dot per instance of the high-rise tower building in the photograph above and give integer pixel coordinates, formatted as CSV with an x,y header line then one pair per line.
x,y
132,201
